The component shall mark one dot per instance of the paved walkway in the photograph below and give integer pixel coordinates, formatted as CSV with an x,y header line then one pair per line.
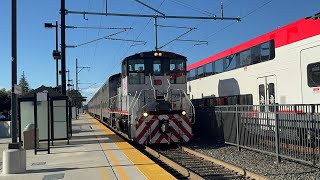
x,y
94,153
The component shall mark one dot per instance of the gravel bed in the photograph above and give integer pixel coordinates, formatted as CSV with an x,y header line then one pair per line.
x,y
256,162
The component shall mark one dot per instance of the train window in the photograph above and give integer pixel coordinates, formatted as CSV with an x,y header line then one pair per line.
x,y
157,68
245,58
255,54
192,74
313,74
230,62
177,65
271,94
265,51
218,66
209,69
262,97
136,65
188,75
200,72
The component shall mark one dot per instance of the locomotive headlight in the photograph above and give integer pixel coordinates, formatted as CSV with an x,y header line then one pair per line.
x,y
155,54
145,114
184,113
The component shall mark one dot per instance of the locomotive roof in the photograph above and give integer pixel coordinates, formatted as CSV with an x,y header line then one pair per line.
x,y
150,54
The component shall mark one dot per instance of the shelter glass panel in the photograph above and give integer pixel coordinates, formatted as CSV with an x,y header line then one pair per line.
x,y
27,114
59,119
42,113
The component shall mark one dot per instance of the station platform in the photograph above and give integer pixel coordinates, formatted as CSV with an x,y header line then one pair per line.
x,y
94,153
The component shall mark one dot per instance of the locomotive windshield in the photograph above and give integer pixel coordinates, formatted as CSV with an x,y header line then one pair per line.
x,y
169,65
136,70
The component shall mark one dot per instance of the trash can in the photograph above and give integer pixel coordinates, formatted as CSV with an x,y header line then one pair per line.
x,y
28,137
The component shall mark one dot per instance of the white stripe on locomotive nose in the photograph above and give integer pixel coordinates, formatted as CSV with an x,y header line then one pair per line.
x,y
179,131
148,132
155,137
141,127
184,124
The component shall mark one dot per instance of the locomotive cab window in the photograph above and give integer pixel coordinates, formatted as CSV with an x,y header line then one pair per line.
x,y
157,67
313,73
136,71
177,71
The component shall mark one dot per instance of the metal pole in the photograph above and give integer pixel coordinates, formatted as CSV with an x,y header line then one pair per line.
x,y
275,108
76,87
57,60
14,71
156,33
63,47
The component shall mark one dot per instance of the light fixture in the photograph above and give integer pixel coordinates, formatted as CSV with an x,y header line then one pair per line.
x,y
183,113
145,114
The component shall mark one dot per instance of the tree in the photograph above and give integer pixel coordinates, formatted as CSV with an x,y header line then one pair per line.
x,y
76,98
24,84
5,100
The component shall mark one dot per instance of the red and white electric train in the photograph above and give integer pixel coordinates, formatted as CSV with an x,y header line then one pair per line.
x,y
282,66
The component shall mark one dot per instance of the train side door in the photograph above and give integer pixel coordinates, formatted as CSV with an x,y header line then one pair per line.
x,y
310,75
267,90
267,96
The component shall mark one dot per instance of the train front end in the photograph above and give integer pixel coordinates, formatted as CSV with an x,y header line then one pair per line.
x,y
154,88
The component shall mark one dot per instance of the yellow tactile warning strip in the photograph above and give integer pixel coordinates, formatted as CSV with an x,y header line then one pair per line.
x,y
113,160
149,168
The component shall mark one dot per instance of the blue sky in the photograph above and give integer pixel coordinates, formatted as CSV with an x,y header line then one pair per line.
x,y
35,43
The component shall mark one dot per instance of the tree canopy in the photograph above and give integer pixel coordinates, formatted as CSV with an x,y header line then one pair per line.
x,y
24,84
5,100
76,98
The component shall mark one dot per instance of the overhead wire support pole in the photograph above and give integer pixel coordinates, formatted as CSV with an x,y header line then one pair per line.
x,y
156,33
63,46
77,82
14,71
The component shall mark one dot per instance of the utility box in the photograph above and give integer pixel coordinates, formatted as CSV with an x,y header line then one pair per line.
x,y
29,137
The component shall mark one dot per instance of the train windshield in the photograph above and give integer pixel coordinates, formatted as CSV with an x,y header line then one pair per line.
x,y
177,65
177,71
136,70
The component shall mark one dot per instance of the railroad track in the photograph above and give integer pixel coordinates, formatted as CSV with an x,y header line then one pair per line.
x,y
203,168
185,163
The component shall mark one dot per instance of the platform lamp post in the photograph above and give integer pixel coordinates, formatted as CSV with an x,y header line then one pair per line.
x,y
56,54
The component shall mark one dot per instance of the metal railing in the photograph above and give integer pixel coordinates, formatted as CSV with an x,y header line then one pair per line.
x,y
285,131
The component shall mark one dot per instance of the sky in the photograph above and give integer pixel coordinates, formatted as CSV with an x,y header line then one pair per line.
x,y
35,43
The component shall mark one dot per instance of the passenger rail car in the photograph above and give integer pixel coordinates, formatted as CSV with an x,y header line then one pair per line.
x,y
279,67
272,78
148,99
